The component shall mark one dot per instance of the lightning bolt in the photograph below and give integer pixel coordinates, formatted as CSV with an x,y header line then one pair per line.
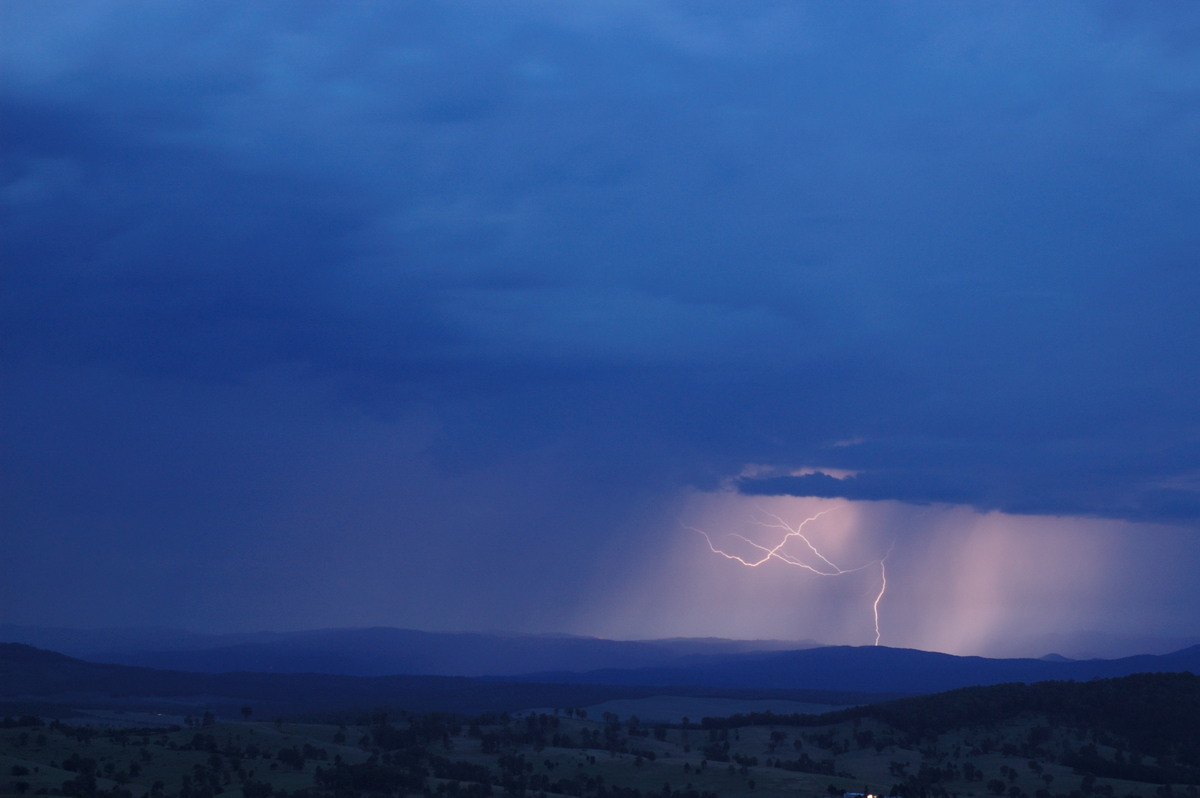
x,y
882,587
817,563
879,598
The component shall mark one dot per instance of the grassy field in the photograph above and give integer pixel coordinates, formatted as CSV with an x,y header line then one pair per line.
x,y
551,753
674,708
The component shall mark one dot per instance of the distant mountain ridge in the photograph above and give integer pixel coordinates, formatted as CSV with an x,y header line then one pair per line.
x,y
687,664
876,669
377,651
36,681
381,651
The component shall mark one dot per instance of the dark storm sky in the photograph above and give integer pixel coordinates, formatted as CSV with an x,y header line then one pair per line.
x,y
455,315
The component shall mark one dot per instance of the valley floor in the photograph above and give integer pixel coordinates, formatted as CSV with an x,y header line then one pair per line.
x,y
562,752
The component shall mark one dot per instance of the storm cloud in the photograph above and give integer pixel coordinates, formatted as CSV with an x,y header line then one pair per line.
x,y
507,281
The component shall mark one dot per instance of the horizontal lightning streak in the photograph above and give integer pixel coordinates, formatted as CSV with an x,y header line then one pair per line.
x,y
776,551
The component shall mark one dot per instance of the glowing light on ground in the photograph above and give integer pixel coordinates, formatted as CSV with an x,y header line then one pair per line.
x,y
812,561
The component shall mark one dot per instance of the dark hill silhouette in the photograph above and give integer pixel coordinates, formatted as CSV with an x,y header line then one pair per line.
x,y
1153,714
1148,715
875,669
31,675
378,651
832,675
382,651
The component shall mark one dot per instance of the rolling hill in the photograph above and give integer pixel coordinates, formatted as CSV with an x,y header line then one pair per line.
x,y
377,651
30,676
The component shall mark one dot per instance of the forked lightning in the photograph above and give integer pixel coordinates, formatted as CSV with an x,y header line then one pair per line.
x,y
818,564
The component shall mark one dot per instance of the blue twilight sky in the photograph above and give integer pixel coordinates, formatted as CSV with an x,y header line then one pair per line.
x,y
459,315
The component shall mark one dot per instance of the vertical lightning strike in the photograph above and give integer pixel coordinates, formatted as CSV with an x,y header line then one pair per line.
x,y
825,567
879,598
882,587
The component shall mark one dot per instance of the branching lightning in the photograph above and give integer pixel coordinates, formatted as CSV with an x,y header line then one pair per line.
x,y
817,564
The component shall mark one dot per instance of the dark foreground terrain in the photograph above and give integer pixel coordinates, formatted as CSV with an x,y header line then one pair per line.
x,y
1131,736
